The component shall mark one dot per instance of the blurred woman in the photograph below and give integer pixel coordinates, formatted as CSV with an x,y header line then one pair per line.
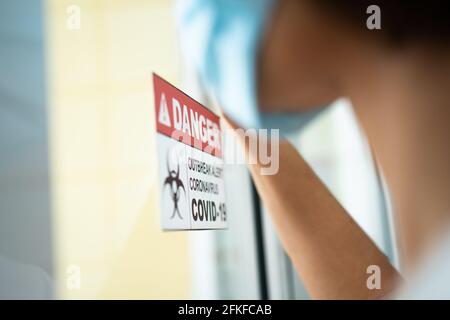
x,y
310,53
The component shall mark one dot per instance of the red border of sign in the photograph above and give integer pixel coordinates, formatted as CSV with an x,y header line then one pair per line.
x,y
162,85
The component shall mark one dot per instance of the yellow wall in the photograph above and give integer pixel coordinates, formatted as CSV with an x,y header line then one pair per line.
x,y
103,149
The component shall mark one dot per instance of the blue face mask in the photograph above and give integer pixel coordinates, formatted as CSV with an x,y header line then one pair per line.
x,y
221,38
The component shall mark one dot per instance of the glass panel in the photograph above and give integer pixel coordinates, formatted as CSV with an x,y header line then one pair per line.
x,y
105,191
106,222
225,264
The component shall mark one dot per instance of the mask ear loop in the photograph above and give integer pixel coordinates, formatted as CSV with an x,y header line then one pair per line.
x,y
388,217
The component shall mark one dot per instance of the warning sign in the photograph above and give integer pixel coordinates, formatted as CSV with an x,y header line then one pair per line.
x,y
189,149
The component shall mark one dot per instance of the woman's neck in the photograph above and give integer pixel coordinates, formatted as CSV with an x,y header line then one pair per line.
x,y
404,106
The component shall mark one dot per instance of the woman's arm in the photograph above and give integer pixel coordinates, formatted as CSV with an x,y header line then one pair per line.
x,y
330,251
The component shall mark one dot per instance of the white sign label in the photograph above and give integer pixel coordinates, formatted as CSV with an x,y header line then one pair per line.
x,y
189,149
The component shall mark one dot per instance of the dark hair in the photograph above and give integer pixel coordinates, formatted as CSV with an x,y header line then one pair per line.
x,y
402,21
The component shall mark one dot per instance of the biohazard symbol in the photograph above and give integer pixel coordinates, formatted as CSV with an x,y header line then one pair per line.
x,y
175,184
